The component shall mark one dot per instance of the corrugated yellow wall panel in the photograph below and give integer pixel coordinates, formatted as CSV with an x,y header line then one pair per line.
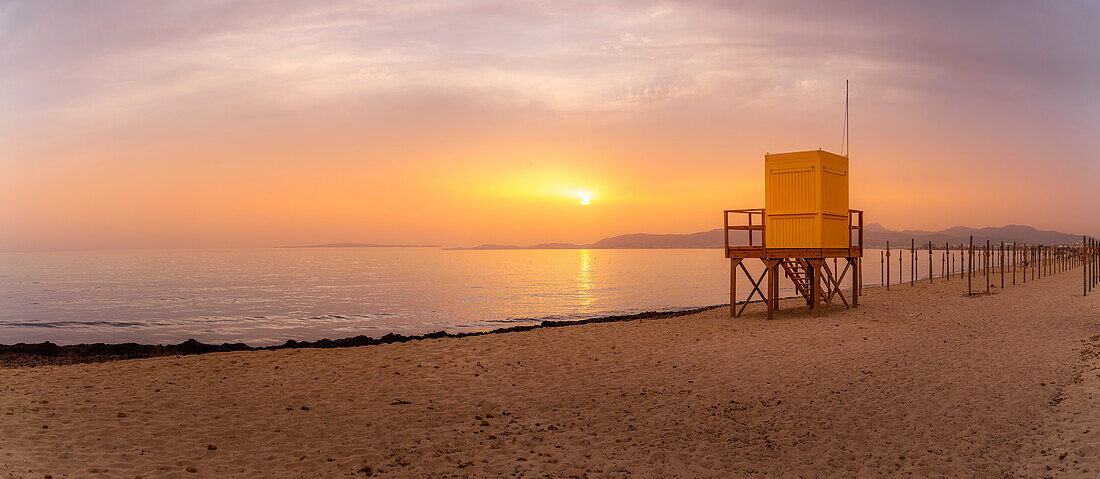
x,y
834,198
791,231
833,230
794,187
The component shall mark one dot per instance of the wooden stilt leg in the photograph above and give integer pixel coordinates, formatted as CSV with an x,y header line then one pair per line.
x,y
856,280
772,301
816,289
775,286
733,285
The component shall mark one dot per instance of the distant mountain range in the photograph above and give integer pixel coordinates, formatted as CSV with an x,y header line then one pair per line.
x,y
874,236
363,245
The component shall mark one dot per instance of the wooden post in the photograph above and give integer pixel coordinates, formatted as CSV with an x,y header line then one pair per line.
x,y
881,269
912,262
962,260
887,266
987,264
949,259
1002,265
929,262
726,237
970,267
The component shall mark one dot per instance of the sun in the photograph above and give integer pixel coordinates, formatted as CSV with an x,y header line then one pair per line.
x,y
586,200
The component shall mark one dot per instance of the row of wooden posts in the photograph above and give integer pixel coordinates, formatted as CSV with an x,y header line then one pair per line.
x,y
1035,261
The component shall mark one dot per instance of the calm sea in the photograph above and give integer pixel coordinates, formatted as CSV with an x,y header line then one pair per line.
x,y
266,296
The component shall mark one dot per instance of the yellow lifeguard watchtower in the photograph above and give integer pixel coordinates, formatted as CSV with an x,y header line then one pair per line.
x,y
805,219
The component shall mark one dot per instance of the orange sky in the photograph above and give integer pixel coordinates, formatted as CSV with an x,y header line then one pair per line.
x,y
224,124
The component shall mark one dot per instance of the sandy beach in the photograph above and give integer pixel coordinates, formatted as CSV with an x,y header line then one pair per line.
x,y
919,381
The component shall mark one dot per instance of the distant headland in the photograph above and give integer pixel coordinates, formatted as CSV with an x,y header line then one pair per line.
x,y
362,245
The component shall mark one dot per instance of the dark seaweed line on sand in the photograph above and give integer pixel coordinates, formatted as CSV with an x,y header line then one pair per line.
x,y
22,354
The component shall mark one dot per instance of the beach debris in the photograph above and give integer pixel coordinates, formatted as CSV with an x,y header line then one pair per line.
x,y
211,447
305,408
399,402
191,469
121,414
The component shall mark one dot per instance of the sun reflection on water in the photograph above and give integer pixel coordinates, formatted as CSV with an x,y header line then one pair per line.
x,y
584,281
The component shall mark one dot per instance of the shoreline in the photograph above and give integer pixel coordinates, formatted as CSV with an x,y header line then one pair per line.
x,y
47,353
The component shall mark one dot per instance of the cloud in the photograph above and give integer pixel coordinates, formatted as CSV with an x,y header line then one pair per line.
x,y
985,82
72,59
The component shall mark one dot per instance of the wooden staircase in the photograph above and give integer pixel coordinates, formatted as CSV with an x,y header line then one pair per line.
x,y
799,273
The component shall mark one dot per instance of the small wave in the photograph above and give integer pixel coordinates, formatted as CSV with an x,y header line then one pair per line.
x,y
69,324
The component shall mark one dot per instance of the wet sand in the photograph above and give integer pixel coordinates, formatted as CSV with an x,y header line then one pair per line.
x,y
920,381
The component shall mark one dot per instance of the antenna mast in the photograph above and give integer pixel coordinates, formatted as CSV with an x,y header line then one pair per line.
x,y
845,141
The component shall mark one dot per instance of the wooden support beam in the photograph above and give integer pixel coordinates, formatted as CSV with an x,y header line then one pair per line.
x,y
755,288
834,289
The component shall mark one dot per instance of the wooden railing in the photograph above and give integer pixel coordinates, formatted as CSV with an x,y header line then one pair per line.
x,y
750,227
858,226
855,223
